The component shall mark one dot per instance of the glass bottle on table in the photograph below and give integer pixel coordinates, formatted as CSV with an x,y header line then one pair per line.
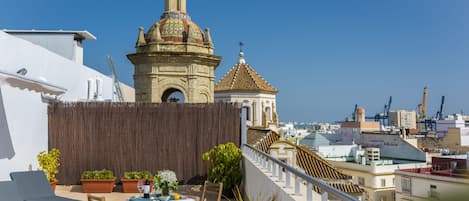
x,y
146,189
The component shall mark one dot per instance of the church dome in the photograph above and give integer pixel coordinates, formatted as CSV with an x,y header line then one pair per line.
x,y
177,27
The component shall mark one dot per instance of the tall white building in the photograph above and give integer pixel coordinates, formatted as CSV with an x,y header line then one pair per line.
x,y
31,76
245,86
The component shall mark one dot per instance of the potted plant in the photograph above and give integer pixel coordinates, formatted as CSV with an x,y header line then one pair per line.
x,y
130,180
166,180
98,181
49,163
225,166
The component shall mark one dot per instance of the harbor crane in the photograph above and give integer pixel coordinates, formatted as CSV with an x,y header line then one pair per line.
x,y
439,114
383,117
117,91
424,122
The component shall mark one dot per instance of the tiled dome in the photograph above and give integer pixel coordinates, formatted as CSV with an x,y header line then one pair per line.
x,y
174,27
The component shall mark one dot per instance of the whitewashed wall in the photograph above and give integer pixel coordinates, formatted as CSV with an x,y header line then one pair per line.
x,y
25,112
247,99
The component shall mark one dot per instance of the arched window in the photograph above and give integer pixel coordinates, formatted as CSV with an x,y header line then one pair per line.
x,y
173,95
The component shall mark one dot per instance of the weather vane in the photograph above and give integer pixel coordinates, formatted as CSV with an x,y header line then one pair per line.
x,y
241,44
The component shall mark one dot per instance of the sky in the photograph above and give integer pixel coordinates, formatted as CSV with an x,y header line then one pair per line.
x,y
324,56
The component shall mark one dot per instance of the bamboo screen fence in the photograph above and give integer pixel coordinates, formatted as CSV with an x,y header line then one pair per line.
x,y
139,136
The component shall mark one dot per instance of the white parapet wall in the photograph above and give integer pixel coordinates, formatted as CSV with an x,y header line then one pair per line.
x,y
260,185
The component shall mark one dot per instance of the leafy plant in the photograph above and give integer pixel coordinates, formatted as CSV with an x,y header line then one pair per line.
x,y
49,162
225,160
98,174
138,175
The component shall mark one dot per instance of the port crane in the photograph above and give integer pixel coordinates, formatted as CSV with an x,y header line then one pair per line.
x,y
383,117
424,122
439,114
115,81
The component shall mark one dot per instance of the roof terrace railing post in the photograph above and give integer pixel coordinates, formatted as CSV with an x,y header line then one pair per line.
x,y
297,185
324,196
280,173
287,179
269,165
309,192
274,169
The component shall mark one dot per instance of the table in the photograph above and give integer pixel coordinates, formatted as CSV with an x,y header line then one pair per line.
x,y
156,199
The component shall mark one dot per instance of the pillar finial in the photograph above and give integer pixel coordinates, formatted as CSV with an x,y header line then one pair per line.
x,y
141,37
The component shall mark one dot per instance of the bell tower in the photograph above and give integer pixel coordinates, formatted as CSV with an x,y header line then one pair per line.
x,y
174,56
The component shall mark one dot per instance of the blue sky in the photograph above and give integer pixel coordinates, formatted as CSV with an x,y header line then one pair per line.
x,y
324,56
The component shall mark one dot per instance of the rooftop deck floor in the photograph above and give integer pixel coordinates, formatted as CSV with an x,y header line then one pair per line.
x,y
76,192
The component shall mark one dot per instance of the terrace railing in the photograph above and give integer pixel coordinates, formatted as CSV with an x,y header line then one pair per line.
x,y
284,172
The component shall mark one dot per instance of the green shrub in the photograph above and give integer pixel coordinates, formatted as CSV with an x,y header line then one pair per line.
x,y
225,166
98,174
49,163
138,175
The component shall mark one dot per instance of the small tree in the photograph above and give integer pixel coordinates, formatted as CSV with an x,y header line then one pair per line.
x,y
49,163
225,160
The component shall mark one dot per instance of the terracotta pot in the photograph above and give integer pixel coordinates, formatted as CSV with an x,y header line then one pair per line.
x,y
130,185
97,186
53,184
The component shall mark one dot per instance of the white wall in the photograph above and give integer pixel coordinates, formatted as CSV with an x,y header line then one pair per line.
x,y
26,114
338,151
259,185
350,135
247,99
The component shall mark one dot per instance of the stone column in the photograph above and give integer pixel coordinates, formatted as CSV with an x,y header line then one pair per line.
x,y
254,113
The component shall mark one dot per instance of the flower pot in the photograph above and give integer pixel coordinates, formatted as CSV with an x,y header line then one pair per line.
x,y
130,185
97,186
53,184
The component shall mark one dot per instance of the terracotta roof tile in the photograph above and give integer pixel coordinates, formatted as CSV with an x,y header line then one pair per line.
x,y
243,78
316,166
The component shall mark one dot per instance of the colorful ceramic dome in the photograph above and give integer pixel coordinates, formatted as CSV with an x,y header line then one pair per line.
x,y
177,27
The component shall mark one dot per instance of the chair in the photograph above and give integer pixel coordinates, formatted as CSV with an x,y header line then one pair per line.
x,y
95,198
34,186
9,191
212,192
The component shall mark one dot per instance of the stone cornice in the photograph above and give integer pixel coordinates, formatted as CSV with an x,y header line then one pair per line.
x,y
175,58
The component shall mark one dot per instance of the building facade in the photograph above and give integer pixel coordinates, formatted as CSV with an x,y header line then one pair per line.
x,y
368,170
447,179
245,86
403,119
175,57
23,106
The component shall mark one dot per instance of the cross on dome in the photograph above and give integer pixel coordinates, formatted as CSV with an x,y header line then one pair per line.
x,y
241,59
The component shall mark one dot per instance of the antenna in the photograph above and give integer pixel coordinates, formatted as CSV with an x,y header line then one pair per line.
x,y
115,81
